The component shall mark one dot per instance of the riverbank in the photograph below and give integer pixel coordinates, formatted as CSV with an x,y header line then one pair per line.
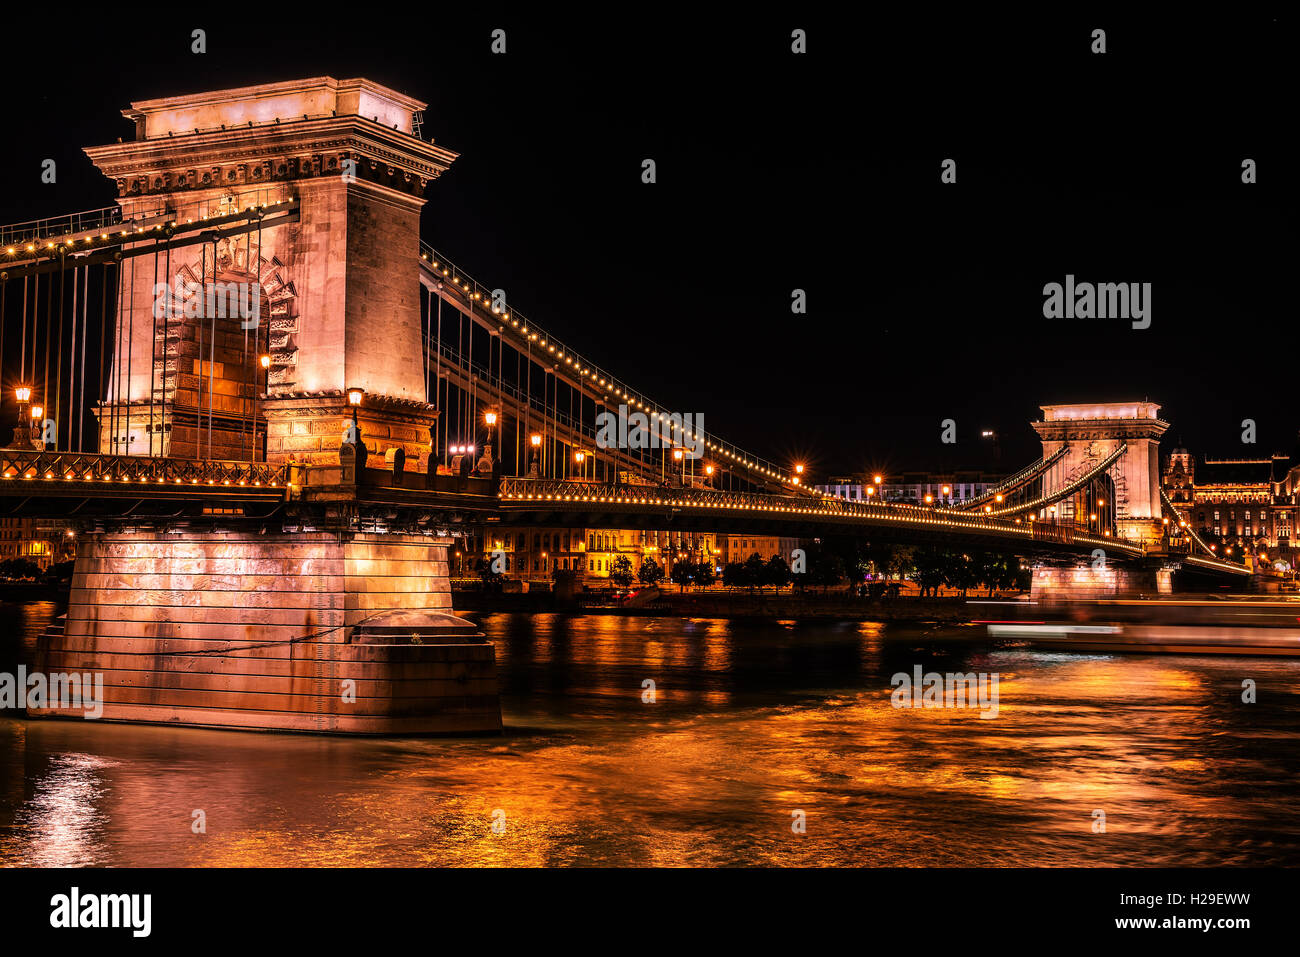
x,y
728,604
34,591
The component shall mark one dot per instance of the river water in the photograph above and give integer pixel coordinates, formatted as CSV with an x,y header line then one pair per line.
x,y
751,722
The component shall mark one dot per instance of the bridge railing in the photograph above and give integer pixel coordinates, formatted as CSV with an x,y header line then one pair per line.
x,y
1013,482
556,492
59,226
34,465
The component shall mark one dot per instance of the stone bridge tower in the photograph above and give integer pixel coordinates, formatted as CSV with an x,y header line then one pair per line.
x,y
1092,431
338,292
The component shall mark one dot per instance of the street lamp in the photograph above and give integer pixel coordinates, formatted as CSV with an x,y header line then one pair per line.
x,y
536,441
37,433
21,435
354,399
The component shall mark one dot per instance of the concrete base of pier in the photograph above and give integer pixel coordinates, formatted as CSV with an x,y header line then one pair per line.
x,y
334,632
1086,583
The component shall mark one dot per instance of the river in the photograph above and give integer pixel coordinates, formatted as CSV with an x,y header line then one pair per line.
x,y
766,743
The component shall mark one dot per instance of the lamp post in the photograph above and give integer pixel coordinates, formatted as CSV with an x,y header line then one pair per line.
x,y
490,420
265,361
534,470
38,439
21,435
354,434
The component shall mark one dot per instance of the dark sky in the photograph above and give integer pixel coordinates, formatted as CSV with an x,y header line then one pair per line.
x,y
818,172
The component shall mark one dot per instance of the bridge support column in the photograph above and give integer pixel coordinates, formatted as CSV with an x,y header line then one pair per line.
x,y
1084,582
341,632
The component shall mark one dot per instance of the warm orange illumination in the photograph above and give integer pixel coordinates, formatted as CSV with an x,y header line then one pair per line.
x,y
354,396
266,362
535,439
490,418
24,393
37,411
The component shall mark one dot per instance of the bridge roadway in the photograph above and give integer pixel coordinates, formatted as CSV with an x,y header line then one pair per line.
x,y
63,485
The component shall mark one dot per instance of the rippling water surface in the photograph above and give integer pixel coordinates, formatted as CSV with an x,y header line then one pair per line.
x,y
752,721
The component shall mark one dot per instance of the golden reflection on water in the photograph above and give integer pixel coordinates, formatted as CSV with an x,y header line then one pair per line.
x,y
752,723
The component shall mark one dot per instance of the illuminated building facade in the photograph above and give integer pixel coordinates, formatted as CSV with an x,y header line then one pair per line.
x,y
1239,504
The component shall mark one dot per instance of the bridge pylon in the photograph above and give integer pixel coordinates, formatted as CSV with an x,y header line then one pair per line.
x,y
334,310
1092,431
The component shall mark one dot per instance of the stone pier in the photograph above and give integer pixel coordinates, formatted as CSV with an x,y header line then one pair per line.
x,y
1053,583
312,631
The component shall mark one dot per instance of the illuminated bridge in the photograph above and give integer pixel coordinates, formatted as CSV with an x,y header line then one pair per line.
x,y
250,376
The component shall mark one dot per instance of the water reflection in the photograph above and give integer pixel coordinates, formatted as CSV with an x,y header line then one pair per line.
x,y
752,720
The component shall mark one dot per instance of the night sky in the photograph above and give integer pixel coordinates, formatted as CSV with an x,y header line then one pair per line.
x,y
819,172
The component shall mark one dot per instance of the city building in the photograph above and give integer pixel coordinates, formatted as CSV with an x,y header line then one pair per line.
x,y
1239,504
38,542
847,487
537,553
738,548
